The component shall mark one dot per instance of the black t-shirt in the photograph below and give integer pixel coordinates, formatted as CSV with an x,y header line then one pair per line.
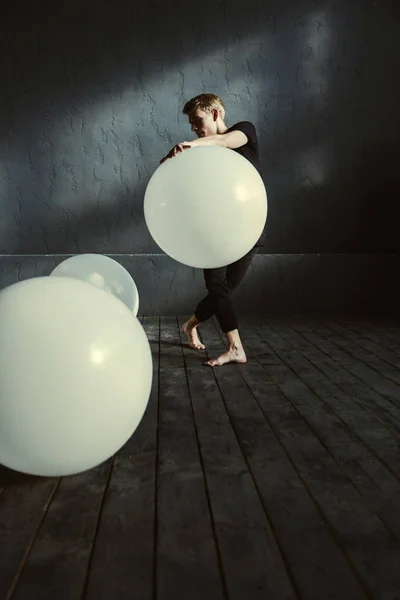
x,y
250,151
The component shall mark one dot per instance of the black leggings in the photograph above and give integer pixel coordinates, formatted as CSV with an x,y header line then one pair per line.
x,y
220,284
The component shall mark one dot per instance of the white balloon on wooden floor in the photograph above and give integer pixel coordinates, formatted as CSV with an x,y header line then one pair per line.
x,y
104,273
75,375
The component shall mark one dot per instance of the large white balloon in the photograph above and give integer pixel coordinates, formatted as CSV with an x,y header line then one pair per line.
x,y
206,207
75,376
103,272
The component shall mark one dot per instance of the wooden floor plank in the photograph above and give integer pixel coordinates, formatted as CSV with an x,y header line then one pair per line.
x,y
375,333
333,333
23,505
338,499
251,559
362,455
123,564
375,371
187,558
57,564
387,329
125,543
351,375
367,425
279,478
345,329
294,516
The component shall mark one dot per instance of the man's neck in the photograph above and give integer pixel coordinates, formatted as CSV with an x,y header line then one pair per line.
x,y
222,128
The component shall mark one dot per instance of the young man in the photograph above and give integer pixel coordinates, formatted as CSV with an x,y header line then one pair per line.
x,y
206,114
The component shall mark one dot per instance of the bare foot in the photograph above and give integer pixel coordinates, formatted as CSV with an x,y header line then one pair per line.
x,y
236,355
193,338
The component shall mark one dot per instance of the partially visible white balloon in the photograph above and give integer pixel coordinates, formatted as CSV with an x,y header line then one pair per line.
x,y
75,376
102,272
207,207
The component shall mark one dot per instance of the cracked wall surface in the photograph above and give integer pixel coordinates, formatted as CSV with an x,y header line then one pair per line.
x,y
91,97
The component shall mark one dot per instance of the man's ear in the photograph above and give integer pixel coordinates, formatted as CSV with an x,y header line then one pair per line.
x,y
214,112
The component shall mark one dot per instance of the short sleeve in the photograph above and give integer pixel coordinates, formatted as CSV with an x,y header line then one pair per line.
x,y
247,128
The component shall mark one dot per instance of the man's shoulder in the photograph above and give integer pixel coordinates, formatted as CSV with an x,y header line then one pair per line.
x,y
247,127
242,124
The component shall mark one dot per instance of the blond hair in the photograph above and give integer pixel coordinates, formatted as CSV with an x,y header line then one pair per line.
x,y
204,102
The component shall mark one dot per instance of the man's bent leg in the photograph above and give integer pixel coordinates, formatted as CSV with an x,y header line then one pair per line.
x,y
205,308
190,329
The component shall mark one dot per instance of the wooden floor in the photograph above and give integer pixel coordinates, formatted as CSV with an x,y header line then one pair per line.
x,y
278,479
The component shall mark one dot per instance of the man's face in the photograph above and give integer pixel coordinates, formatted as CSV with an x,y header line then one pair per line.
x,y
203,123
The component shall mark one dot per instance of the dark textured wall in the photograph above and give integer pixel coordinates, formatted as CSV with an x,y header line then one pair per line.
x,y
280,283
91,97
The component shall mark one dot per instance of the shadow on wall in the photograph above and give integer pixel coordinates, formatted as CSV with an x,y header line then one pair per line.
x,y
374,185
91,99
359,213
115,223
355,211
321,284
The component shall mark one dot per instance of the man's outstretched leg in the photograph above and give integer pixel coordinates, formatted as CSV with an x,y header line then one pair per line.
x,y
205,308
190,329
225,312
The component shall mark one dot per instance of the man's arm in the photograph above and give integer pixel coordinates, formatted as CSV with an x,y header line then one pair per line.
x,y
232,139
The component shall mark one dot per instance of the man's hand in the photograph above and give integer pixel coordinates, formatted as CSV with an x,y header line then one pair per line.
x,y
175,150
